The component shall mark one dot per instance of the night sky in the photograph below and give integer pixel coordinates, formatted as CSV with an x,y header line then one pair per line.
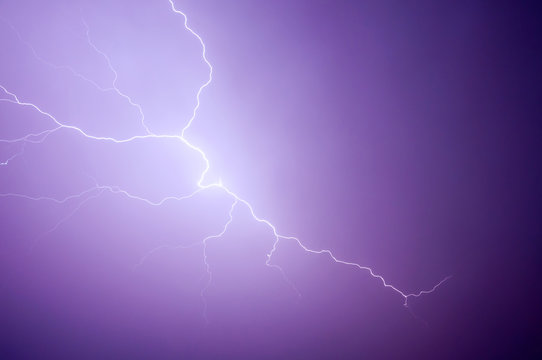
x,y
402,136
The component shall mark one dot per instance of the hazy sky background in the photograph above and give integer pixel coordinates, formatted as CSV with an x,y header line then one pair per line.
x,y
400,135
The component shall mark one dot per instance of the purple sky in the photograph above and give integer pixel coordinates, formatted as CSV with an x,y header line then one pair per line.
x,y
401,136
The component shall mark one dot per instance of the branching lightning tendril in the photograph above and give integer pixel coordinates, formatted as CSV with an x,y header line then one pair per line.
x,y
99,189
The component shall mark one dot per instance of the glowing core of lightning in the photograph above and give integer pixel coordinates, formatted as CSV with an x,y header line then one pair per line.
x,y
98,189
238,199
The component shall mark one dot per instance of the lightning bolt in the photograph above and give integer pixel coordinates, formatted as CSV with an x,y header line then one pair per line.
x,y
207,265
116,76
97,190
12,157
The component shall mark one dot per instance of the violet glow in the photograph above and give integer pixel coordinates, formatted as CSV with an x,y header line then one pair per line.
x,y
122,147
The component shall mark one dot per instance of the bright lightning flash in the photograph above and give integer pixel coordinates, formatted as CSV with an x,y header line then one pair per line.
x,y
98,189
